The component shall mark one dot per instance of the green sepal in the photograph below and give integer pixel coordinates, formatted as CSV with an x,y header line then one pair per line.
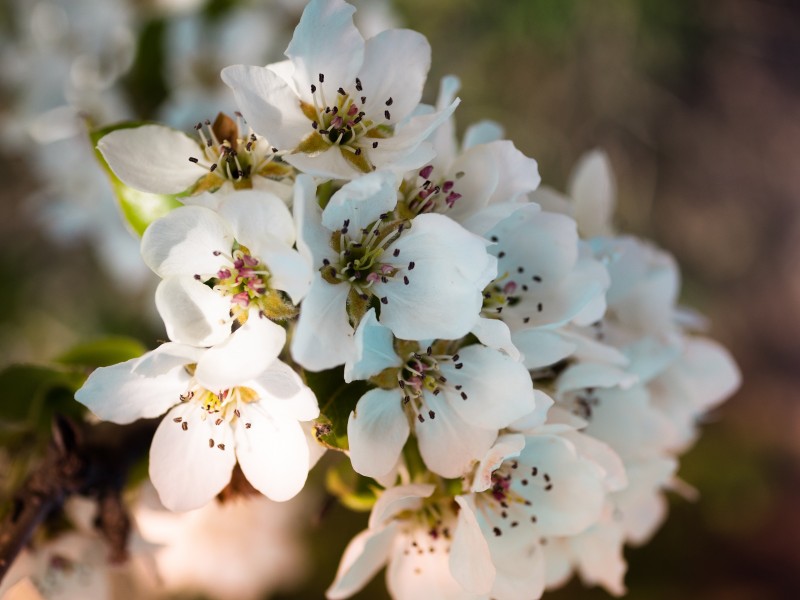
x,y
138,208
354,491
359,161
313,144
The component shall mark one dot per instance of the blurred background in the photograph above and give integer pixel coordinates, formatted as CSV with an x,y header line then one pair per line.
x,y
696,103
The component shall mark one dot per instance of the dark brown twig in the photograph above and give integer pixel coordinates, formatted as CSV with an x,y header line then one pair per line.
x,y
81,459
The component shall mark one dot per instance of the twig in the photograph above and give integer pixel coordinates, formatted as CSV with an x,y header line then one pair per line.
x,y
87,460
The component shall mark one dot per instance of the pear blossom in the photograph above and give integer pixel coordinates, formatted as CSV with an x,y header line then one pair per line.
x,y
461,181
232,402
546,279
411,532
456,401
424,275
255,542
341,106
526,488
226,257
161,160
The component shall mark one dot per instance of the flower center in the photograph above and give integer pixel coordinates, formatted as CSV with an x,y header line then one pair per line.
x,y
420,373
338,120
423,195
509,289
231,155
362,259
221,405
245,279
505,504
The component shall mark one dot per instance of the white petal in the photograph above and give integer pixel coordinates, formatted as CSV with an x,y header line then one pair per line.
x,y
184,242
280,387
192,312
571,498
152,158
254,215
593,190
544,244
328,164
374,350
272,452
242,356
289,271
499,390
541,348
587,375
120,395
482,132
396,63
599,554
361,202
444,138
362,559
470,560
313,240
536,418
323,337
407,138
506,446
449,444
412,575
480,178
187,466
519,174
496,334
268,103
445,291
166,357
326,42
377,430
396,500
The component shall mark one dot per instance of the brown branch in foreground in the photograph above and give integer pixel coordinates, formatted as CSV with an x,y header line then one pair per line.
x,y
91,460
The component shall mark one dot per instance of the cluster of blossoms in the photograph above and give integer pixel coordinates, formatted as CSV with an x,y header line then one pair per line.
x,y
523,379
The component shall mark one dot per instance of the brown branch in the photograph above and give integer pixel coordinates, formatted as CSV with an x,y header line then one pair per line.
x,y
90,460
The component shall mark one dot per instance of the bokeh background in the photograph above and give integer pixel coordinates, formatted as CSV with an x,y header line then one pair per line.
x,y
696,102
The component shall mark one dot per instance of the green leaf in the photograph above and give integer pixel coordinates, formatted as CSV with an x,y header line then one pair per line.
x,y
337,400
33,393
138,208
355,491
103,352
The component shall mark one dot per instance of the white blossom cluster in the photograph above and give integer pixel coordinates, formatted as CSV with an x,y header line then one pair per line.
x,y
525,378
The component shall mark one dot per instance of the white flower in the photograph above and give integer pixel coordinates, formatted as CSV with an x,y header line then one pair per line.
x,y
341,106
590,196
223,264
425,275
545,280
459,182
527,488
456,400
256,545
231,402
160,160
413,536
